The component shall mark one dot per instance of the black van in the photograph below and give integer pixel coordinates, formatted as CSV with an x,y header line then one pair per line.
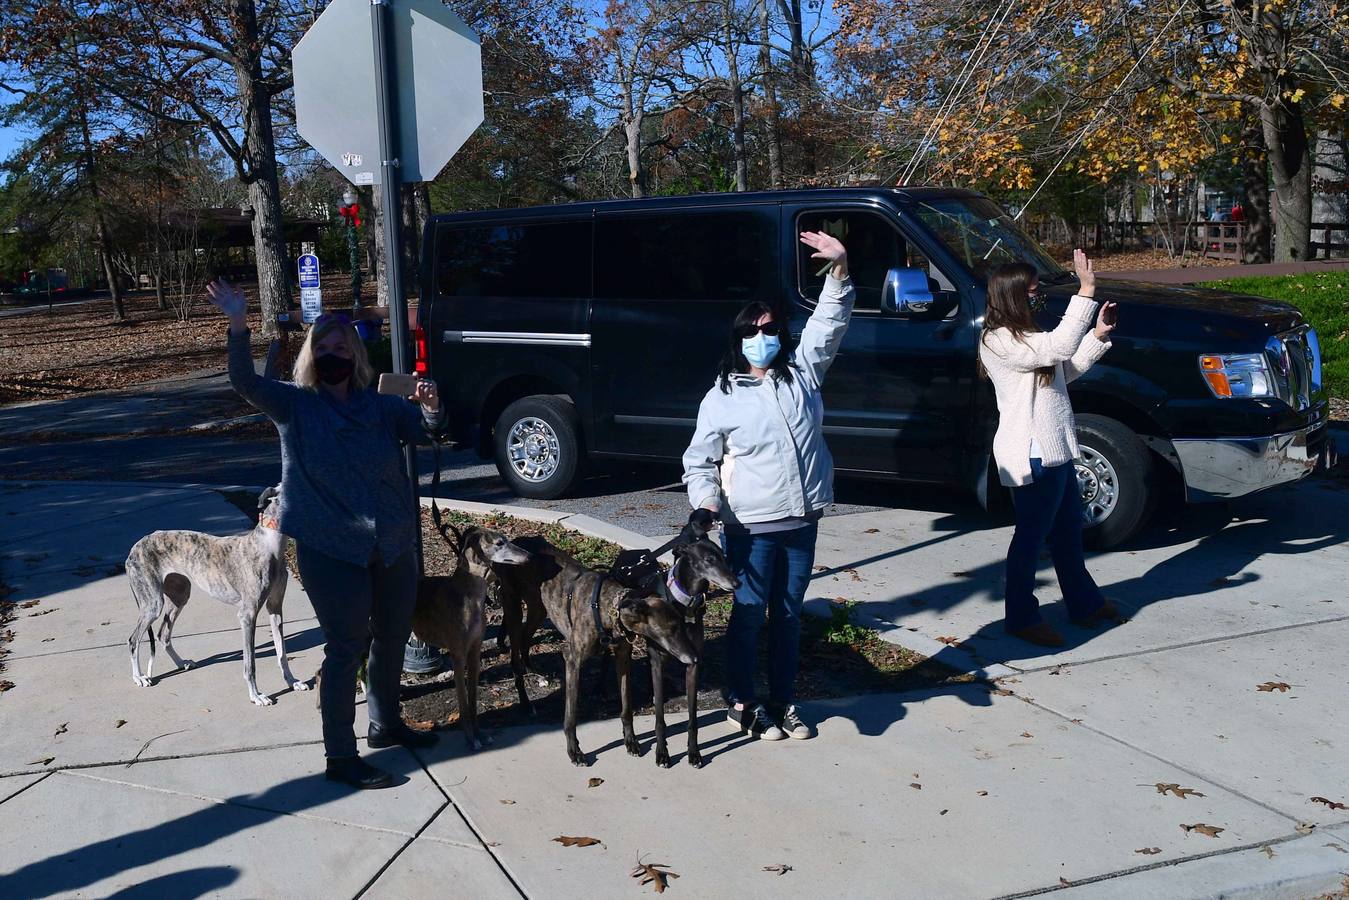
x,y
592,330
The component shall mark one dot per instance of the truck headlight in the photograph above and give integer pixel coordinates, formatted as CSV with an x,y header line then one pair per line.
x,y
1240,375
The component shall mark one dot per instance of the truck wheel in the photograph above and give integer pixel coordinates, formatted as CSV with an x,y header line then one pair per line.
x,y
538,446
1115,477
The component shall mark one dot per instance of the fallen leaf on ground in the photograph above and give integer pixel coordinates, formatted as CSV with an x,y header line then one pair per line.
x,y
508,802
821,568
119,723
853,573
1268,851
872,531
982,793
421,724
1176,789
1057,670
1027,734
568,841
61,729
1331,803
1305,827
654,874
780,868
42,612
1271,686
949,639
915,785
5,685
48,640
1208,830
1002,692
28,604
1064,881
44,761
595,782
943,812
1149,851
1338,847
962,574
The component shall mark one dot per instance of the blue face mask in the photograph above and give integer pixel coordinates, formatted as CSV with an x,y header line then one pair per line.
x,y
761,349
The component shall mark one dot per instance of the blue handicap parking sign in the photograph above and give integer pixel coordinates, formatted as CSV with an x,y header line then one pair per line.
x,y
309,271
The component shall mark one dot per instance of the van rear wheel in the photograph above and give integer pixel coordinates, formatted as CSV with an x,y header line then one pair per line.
x,y
1115,478
538,445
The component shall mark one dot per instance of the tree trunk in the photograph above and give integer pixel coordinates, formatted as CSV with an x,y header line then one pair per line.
x,y
1255,194
100,221
160,296
1290,159
412,234
259,148
737,100
632,128
772,133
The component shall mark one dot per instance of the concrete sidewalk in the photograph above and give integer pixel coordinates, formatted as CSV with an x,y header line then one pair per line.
x,y
1046,782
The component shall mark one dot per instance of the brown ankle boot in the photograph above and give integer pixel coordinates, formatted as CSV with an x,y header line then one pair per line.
x,y
1106,612
1042,634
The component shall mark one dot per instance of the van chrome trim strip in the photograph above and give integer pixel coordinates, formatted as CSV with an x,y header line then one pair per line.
x,y
541,338
676,421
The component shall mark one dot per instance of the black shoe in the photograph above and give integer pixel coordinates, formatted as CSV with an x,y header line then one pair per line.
x,y
357,773
401,735
756,722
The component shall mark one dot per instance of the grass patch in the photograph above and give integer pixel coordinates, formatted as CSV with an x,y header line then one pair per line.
x,y
1323,298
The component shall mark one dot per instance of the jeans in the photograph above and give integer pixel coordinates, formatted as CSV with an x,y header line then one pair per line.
x,y
1049,507
774,571
359,606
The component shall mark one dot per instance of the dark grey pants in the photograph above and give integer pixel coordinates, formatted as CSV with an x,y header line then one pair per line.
x,y
359,606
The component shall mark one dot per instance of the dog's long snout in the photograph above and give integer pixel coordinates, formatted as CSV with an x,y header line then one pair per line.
x,y
511,555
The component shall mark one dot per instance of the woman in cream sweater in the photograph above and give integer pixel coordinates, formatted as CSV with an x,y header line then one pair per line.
x,y
1036,443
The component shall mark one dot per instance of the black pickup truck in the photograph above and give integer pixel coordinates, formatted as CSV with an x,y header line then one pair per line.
x,y
592,330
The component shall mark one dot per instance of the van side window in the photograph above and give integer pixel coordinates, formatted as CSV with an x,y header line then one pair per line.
x,y
549,259
685,256
875,246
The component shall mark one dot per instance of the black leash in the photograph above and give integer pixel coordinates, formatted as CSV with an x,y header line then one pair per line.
x,y
457,542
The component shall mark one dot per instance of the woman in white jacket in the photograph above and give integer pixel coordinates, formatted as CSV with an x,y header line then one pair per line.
x,y
758,461
1036,441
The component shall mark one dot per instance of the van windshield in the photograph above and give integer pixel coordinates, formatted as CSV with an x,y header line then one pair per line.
x,y
983,237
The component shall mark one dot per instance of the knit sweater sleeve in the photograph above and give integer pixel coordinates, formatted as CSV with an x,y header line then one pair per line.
x,y
1088,352
1035,350
274,398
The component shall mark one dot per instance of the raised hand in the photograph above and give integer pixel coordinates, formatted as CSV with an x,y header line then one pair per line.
x,y
827,247
1105,321
1085,273
227,298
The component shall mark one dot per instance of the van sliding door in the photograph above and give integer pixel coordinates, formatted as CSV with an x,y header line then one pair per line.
x,y
668,283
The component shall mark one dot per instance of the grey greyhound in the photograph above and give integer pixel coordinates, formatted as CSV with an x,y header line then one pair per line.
x,y
593,611
244,570
451,612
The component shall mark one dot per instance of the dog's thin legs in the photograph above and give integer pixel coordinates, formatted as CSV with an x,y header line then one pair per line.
x,y
177,589
573,690
274,618
247,624
623,666
691,691
466,673
657,658
279,642
149,600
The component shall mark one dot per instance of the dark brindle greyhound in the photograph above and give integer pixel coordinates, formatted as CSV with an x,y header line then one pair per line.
x,y
591,609
451,614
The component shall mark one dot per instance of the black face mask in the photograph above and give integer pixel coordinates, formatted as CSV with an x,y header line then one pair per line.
x,y
333,369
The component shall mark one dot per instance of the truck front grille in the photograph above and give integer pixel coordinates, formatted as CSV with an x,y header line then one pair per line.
x,y
1295,357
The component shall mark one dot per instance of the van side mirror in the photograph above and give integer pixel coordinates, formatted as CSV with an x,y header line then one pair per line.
x,y
906,292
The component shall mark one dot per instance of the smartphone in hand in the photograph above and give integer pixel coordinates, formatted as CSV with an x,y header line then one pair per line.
x,y
397,385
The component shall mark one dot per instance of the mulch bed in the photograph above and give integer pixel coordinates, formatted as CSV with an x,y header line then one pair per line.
x,y
834,662
74,350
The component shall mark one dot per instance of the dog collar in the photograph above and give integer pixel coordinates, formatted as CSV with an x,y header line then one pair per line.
x,y
682,597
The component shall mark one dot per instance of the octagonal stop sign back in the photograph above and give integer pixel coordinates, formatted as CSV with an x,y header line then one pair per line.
x,y
438,85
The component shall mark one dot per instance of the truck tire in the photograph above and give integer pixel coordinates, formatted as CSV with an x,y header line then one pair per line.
x,y
1115,476
538,446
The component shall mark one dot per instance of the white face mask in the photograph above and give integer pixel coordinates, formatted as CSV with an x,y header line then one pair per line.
x,y
761,349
